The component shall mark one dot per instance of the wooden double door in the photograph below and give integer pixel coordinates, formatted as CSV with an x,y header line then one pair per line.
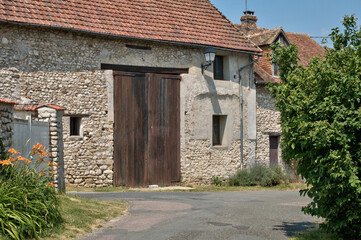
x,y
146,128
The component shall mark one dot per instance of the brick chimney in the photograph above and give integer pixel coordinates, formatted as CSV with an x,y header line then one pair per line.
x,y
249,20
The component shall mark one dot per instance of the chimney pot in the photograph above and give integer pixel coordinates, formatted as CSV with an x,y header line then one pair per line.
x,y
249,20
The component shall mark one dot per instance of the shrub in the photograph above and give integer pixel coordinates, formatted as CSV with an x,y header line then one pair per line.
x,y
321,123
28,202
217,181
258,175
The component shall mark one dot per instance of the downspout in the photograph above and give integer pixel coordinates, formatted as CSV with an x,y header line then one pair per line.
x,y
241,100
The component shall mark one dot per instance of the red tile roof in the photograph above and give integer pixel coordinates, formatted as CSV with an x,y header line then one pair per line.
x,y
34,107
307,47
195,22
56,107
266,36
7,101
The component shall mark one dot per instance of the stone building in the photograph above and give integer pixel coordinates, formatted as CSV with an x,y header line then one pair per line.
x,y
142,105
268,128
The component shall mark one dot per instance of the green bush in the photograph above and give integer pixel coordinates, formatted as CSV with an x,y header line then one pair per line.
x,y
321,123
258,175
217,181
28,202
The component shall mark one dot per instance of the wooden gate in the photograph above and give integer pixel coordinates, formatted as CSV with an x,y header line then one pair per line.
x,y
146,132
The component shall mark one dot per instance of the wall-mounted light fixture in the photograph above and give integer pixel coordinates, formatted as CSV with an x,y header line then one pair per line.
x,y
209,54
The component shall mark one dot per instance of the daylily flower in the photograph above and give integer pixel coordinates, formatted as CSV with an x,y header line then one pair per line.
x,y
5,162
13,151
21,158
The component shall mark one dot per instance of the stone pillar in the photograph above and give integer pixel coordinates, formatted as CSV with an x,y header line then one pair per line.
x,y
6,122
54,115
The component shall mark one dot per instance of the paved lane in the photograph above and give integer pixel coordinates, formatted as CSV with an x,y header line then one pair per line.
x,y
206,216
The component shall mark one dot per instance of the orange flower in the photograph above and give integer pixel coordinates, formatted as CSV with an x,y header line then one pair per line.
x,y
13,151
21,158
51,184
12,159
37,148
27,160
44,153
52,164
5,162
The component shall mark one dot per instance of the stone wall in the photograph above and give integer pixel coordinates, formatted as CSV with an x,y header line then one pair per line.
x,y
6,124
268,123
54,118
60,67
81,93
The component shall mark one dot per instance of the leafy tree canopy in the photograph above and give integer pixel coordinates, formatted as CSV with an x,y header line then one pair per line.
x,y
320,109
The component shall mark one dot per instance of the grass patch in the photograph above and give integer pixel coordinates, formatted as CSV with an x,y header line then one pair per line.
x,y
208,188
314,234
82,215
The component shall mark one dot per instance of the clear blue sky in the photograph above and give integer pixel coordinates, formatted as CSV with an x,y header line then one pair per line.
x,y
314,17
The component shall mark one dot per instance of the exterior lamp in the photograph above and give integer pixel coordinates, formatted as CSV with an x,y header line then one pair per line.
x,y
209,54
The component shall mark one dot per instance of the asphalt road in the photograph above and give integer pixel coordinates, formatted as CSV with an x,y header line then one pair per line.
x,y
205,216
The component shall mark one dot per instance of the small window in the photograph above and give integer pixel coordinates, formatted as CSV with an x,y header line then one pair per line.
x,y
219,130
75,124
276,70
218,68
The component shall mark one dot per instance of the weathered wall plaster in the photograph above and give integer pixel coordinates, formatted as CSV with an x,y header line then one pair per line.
x,y
60,67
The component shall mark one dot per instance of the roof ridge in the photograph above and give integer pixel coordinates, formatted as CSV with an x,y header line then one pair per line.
x,y
298,33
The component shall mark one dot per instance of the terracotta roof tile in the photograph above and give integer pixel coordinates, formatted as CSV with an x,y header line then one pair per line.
x,y
56,107
184,21
265,37
307,47
7,101
34,107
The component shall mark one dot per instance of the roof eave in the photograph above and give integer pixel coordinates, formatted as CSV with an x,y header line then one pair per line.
x,y
130,38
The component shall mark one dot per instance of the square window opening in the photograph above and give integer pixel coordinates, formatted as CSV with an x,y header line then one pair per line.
x,y
219,135
75,126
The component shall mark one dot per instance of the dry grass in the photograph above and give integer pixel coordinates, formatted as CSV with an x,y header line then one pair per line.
x,y
82,215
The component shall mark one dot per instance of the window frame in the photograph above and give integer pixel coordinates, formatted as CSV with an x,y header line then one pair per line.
x,y
215,66
75,130
219,130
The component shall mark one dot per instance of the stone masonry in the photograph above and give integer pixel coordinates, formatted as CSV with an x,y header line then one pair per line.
x,y
6,122
54,117
64,68
268,122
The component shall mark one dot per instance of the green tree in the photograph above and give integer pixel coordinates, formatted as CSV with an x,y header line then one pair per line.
x,y
321,123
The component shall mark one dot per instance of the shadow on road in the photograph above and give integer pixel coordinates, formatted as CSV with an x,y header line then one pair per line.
x,y
290,228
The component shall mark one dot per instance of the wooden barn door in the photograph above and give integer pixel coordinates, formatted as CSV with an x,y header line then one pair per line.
x,y
146,131
163,134
130,129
